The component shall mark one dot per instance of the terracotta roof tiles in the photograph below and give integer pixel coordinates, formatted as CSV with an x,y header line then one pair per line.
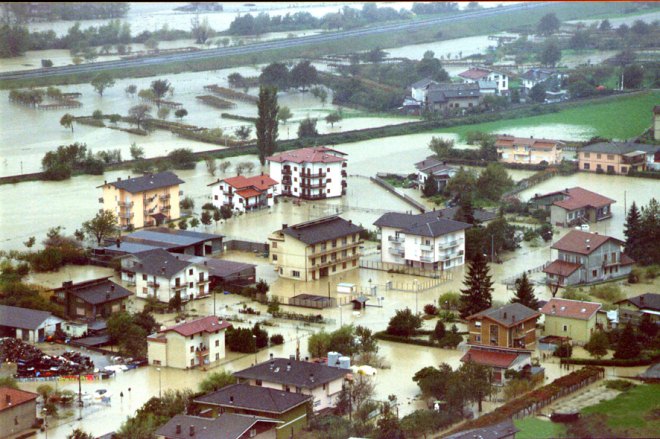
x,y
578,198
12,397
206,324
572,309
317,154
490,358
577,241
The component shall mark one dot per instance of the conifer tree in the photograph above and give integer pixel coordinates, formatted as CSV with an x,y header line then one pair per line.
x,y
525,293
632,231
478,294
267,123
627,346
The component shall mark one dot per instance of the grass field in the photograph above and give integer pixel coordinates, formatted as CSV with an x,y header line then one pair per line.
x,y
534,428
622,118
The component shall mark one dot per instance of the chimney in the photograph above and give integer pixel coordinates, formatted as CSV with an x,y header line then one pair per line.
x,y
271,355
554,310
284,226
192,430
272,364
504,315
162,270
8,399
311,377
105,182
231,399
112,287
178,428
588,242
288,366
118,242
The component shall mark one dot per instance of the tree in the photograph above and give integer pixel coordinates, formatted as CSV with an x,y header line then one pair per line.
x,y
175,302
9,381
494,181
266,124
633,232
79,434
439,331
320,93
275,75
441,147
194,222
284,114
376,55
160,87
101,82
218,215
200,31
307,128
215,381
129,336
14,40
537,93
224,166
103,225
597,344
478,294
547,25
550,54
525,293
605,25
225,212
633,76
131,90
430,187
404,323
163,113
183,224
151,44
206,218
465,211
648,326
303,74
30,242
137,152
210,165
476,380
139,113
333,118
67,121
627,346
318,344
181,113
243,132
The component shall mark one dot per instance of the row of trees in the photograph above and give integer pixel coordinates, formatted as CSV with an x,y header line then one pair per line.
x,y
278,75
642,231
348,340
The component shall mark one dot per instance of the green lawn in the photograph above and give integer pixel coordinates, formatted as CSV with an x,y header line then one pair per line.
x,y
534,428
622,118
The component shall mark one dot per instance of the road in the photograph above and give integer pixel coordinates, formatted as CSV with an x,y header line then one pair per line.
x,y
259,47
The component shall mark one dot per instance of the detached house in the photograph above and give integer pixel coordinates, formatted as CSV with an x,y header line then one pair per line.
x,y
91,299
648,303
309,173
227,426
143,201
570,318
196,343
533,151
157,273
573,206
244,194
419,89
428,240
433,168
448,96
18,411
484,76
618,158
586,258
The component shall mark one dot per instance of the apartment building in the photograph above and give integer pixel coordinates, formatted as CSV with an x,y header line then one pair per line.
x,y
484,76
191,344
447,96
160,274
310,173
315,249
533,151
428,240
618,158
244,194
143,201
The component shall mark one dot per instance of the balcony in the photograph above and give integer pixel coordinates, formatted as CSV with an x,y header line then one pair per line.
x,y
312,185
286,181
344,173
286,171
319,174
396,251
125,205
449,244
396,239
179,287
426,258
426,247
166,207
153,284
313,196
339,248
335,261
633,159
164,197
203,281
126,215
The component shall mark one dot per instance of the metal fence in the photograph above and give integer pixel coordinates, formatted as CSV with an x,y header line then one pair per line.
x,y
404,269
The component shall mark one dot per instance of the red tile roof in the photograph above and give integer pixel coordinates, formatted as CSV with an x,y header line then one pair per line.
x,y
260,182
572,309
206,324
490,358
575,241
15,396
248,193
579,198
544,144
561,268
317,154
474,73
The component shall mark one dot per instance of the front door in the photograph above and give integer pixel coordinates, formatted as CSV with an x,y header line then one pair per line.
x,y
323,272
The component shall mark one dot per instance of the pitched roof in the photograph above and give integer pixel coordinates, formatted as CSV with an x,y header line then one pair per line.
x,y
147,182
260,182
12,397
167,237
248,193
572,309
423,83
502,430
159,262
323,229
96,291
225,426
508,315
578,198
537,74
475,73
316,154
501,359
301,373
218,267
442,92
620,147
430,224
24,318
585,243
645,301
561,268
208,324
505,140
257,398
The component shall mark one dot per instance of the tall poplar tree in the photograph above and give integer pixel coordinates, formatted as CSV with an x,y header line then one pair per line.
x,y
266,124
478,294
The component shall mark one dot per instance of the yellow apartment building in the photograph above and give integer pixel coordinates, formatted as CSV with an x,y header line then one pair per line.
x,y
528,150
615,158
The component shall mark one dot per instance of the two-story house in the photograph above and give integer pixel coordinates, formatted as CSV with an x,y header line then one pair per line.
x,y
433,168
315,249
574,319
428,240
226,426
584,258
618,158
536,76
195,343
419,89
450,96
18,412
533,151
322,382
92,298
244,193
483,75
644,304
160,274
573,206
310,173
288,407
143,201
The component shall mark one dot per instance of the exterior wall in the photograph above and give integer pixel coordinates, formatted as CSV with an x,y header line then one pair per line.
x,y
294,420
224,194
130,208
521,154
656,126
578,330
565,218
293,176
79,308
558,216
184,352
324,396
18,418
479,334
501,79
157,353
444,251
163,288
418,94
392,247
592,161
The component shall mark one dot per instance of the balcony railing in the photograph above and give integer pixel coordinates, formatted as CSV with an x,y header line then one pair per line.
x,y
634,160
397,239
179,287
426,258
426,247
152,284
286,171
335,261
397,251
319,174
312,185
127,215
125,204
344,173
330,249
286,180
313,196
450,243
164,197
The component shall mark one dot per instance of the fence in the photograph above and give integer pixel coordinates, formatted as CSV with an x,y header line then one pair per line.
x,y
388,187
246,246
83,377
510,282
404,269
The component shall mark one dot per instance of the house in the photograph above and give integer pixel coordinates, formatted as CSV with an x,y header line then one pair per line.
x,y
419,89
18,411
160,274
584,258
288,407
648,303
27,324
512,149
570,318
536,76
92,298
316,249
618,158
149,200
480,74
223,272
243,194
503,430
190,344
656,122
509,326
573,206
428,240
226,426
310,173
322,382
499,360
481,216
449,96
431,167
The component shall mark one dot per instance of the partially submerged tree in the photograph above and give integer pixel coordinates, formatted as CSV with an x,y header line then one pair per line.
x,y
266,124
103,225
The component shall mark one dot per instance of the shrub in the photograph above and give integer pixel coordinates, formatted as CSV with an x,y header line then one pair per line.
x,y
430,309
276,339
565,350
609,293
621,385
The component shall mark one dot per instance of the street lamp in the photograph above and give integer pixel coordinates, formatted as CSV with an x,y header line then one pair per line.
x,y
416,289
45,412
160,393
255,348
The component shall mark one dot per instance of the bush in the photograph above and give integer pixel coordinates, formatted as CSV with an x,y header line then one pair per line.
x,y
182,158
276,339
565,350
430,309
621,385
609,293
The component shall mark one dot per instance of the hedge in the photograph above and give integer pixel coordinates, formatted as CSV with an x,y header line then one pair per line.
x,y
645,174
645,360
383,335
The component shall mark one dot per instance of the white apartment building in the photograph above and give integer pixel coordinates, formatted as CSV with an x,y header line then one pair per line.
x,y
425,241
309,173
160,274
244,193
484,76
199,342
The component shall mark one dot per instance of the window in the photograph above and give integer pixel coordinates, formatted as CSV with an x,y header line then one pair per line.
x,y
477,338
275,245
328,170
565,328
217,343
192,362
215,197
334,268
190,285
343,266
217,356
354,263
192,337
587,166
334,243
190,272
253,432
192,349
594,273
257,382
328,191
156,362
597,156
295,273
274,257
587,155
144,277
610,156
325,386
344,241
610,168
295,168
624,169
144,290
